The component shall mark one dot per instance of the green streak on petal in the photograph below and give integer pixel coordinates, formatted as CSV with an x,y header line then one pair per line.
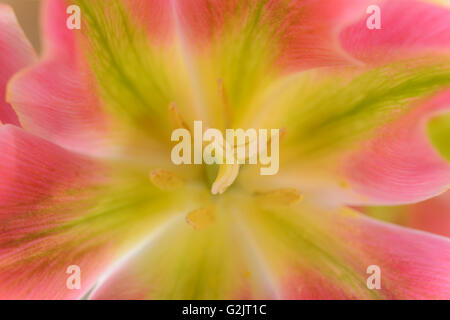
x,y
310,241
128,70
242,55
193,264
211,172
118,215
394,214
439,133
245,56
326,112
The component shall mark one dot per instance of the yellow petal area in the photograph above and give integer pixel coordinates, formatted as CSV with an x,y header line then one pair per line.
x,y
176,119
227,112
439,132
328,111
216,262
251,252
441,2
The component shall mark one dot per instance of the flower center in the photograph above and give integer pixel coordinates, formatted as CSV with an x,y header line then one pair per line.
x,y
239,147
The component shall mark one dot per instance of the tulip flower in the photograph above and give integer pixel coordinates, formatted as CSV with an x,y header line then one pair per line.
x,y
86,177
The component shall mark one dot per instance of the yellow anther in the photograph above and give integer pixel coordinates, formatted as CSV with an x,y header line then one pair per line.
x,y
201,218
280,197
176,118
165,180
225,178
228,172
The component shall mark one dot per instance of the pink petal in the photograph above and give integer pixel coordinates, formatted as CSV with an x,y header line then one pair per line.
x,y
42,188
156,16
408,28
56,99
325,255
303,33
400,165
413,264
310,32
15,54
432,215
58,209
32,168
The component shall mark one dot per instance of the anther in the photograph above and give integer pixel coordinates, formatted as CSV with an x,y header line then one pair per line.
x,y
165,180
201,218
280,197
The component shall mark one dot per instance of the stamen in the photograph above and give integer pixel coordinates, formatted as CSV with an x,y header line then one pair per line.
x,y
229,172
176,118
282,134
280,197
201,218
165,180
225,102
225,178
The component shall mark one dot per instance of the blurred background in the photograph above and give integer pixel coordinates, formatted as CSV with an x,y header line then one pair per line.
x,y
27,12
